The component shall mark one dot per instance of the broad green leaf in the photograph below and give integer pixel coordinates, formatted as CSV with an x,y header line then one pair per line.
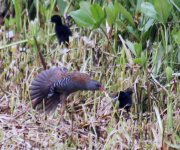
x,y
85,6
163,9
62,5
169,73
88,15
176,3
125,13
148,24
148,10
112,13
97,14
82,18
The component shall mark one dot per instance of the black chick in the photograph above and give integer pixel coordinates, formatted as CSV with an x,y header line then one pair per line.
x,y
62,31
124,98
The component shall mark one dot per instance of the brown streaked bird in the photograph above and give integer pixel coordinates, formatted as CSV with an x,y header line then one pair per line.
x,y
53,86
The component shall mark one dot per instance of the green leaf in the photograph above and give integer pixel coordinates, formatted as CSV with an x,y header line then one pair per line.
x,y
176,4
125,13
112,13
135,33
62,5
131,46
18,13
82,18
148,10
148,24
98,15
163,9
88,15
138,61
176,37
10,21
170,113
138,49
169,73
141,60
120,24
157,58
159,10
144,59
85,6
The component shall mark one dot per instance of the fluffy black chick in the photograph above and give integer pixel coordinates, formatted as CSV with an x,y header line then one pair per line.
x,y
124,98
62,31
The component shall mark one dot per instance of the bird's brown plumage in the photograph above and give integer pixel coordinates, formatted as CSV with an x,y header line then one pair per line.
x,y
80,77
52,87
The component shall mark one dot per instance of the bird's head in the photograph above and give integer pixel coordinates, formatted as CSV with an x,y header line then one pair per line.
x,y
83,81
56,19
94,85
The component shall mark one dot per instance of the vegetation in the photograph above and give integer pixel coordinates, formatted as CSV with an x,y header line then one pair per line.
x,y
120,43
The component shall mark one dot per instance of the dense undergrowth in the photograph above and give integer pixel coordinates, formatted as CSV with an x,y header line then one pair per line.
x,y
122,44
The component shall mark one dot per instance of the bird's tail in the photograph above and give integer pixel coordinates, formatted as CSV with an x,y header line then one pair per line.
x,y
39,90
47,105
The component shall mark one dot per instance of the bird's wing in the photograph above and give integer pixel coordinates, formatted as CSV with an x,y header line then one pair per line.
x,y
40,86
63,31
69,31
66,30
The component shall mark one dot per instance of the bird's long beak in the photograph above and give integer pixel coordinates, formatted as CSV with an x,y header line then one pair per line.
x,y
102,89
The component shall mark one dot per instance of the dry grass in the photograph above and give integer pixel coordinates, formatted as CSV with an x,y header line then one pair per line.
x,y
90,121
